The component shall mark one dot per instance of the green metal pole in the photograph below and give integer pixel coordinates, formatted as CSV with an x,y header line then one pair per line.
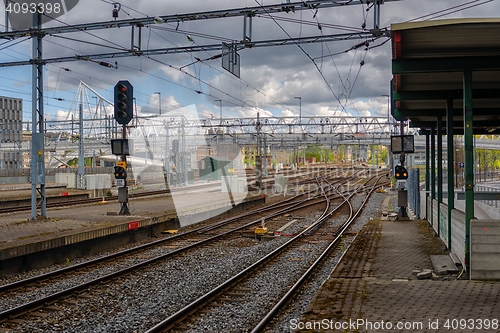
x,y
433,171
451,163
469,163
427,172
439,171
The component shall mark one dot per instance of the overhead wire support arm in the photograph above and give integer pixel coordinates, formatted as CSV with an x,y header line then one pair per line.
x,y
198,48
257,10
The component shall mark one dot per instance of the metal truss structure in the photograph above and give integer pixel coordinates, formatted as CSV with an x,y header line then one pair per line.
x,y
247,13
282,131
37,33
303,125
88,129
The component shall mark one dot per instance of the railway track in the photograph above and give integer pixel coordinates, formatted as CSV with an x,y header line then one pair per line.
x,y
282,303
225,292
136,194
111,198
178,244
86,201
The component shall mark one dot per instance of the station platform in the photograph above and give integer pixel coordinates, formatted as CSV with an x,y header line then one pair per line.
x,y
374,289
71,232
20,195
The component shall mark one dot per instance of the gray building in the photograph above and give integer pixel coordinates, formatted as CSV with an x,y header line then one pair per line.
x,y
11,134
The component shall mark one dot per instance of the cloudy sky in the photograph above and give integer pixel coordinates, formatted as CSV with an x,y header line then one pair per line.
x,y
329,77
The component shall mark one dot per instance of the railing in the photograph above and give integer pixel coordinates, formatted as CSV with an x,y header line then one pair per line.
x,y
413,188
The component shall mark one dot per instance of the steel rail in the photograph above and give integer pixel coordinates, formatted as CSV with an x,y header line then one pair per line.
x,y
198,230
180,315
40,303
282,204
338,236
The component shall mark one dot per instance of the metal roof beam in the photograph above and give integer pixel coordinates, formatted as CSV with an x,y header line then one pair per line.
x,y
441,112
445,64
480,127
398,113
423,95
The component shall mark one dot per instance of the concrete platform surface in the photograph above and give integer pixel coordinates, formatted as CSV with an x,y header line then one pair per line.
x,y
375,290
72,226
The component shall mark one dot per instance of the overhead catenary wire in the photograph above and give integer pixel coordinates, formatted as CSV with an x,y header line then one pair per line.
x,y
87,32
13,43
345,88
471,5
125,6
205,36
186,87
202,81
217,57
313,23
256,89
457,10
307,54
450,10
90,43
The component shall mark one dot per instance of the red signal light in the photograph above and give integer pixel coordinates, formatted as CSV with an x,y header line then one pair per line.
x,y
122,88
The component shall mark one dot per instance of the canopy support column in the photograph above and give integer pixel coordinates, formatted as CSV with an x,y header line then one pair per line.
x,y
439,171
451,163
469,162
433,172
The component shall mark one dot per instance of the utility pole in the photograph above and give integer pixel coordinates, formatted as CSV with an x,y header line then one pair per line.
x,y
7,3
159,102
123,191
389,152
167,157
184,153
37,122
402,193
265,155
220,110
123,114
258,158
81,156
300,109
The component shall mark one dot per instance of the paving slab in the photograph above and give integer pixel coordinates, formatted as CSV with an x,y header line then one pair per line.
x,y
375,289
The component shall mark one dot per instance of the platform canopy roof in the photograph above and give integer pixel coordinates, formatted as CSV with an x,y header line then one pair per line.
x,y
429,60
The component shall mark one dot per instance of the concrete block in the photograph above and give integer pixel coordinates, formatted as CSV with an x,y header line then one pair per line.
x,y
443,265
425,274
485,249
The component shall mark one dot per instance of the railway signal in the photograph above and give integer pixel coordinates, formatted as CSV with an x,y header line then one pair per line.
x,y
124,102
400,172
121,170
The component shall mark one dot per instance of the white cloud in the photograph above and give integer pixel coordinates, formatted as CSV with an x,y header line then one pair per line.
x,y
288,113
61,115
247,113
271,77
167,104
